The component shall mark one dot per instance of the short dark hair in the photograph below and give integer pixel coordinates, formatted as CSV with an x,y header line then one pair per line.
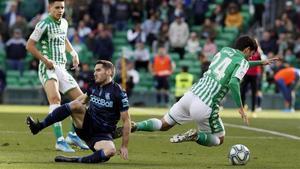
x,y
244,42
107,65
52,1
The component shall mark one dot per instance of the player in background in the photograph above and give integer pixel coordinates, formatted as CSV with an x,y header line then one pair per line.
x,y
201,103
287,81
51,35
95,125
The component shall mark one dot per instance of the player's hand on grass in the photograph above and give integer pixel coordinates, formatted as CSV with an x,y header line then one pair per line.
x,y
49,64
244,116
123,153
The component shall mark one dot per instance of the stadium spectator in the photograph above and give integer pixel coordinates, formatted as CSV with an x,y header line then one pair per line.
x,y
121,14
11,15
21,24
84,77
52,71
165,11
161,68
193,45
178,35
163,38
152,6
151,28
268,43
3,28
136,35
208,29
209,48
16,51
287,82
201,103
199,10
137,11
259,8
2,84
183,82
95,125
130,74
103,46
233,16
141,56
83,30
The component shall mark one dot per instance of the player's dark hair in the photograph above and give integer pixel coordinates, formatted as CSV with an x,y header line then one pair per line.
x,y
107,65
52,1
244,42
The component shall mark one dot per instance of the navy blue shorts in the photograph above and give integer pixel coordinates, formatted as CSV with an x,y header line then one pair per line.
x,y
90,132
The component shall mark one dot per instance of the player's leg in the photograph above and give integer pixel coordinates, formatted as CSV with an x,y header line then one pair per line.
x,y
178,114
208,122
69,87
52,91
103,151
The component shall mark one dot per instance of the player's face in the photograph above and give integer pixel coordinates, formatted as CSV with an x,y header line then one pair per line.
x,y
57,9
248,52
101,75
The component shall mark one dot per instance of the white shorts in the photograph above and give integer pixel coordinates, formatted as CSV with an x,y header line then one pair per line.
x,y
191,108
65,81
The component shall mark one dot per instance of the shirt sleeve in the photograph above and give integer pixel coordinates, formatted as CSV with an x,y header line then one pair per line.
x,y
241,70
124,103
39,30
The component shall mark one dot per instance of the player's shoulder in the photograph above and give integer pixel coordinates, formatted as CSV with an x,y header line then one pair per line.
x,y
64,21
43,23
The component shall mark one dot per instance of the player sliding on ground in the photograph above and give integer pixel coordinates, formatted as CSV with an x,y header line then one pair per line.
x,y
201,102
95,125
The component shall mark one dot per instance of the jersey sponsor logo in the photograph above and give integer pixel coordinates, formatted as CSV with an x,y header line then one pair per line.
x,y
101,102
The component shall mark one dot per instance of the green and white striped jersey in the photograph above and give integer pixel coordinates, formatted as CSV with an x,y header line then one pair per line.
x,y
51,35
226,64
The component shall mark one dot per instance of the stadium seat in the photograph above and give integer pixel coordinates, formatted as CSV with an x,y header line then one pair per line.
x,y
13,73
120,34
175,57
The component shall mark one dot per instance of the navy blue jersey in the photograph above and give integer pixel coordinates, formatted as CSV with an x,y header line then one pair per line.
x,y
106,104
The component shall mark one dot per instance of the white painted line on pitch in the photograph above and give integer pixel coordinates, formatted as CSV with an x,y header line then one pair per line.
x,y
263,131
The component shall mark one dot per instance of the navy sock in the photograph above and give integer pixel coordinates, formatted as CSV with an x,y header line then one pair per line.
x,y
158,97
96,157
57,115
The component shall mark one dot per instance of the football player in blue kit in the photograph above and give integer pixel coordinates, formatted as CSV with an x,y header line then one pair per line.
x,y
107,104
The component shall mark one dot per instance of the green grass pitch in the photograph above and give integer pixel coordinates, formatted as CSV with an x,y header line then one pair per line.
x,y
273,140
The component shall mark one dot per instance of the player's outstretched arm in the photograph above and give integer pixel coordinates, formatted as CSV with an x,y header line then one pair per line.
x,y
234,86
263,62
126,131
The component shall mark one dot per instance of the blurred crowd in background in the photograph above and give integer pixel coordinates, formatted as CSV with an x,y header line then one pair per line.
x,y
188,32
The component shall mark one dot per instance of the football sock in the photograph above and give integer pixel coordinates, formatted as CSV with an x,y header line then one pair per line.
x,y
259,100
59,114
166,96
158,97
207,139
96,157
149,125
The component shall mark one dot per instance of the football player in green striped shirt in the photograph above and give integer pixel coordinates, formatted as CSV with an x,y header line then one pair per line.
x,y
201,102
51,35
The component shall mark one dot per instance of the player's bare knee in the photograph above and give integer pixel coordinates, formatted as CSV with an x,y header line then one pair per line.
x,y
221,140
165,126
76,106
54,99
110,152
